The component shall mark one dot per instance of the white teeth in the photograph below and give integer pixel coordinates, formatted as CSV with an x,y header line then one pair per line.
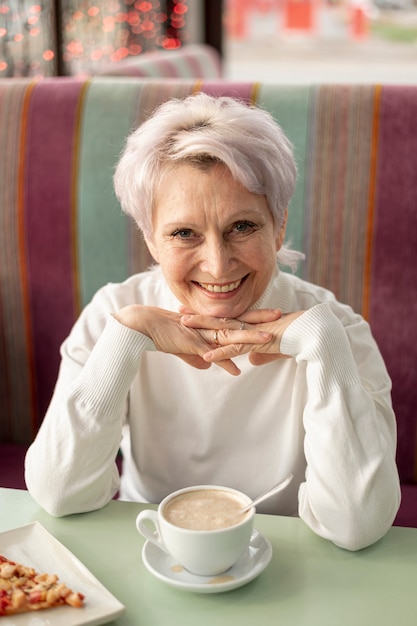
x,y
220,288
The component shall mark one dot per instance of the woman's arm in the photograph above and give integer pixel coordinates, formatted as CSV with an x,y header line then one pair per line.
x,y
351,493
70,467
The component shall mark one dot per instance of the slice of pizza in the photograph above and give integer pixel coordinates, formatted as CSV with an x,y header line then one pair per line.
x,y
23,589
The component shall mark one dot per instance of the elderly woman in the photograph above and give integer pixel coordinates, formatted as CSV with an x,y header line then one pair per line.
x,y
216,366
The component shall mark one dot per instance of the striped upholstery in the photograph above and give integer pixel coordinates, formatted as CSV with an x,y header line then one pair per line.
x,y
62,234
193,60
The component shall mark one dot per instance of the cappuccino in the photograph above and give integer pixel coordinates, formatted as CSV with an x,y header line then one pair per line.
x,y
205,509
202,528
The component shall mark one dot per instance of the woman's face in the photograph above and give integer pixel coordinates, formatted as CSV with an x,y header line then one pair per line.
x,y
214,240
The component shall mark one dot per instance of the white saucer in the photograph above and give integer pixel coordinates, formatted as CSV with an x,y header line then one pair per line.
x,y
249,566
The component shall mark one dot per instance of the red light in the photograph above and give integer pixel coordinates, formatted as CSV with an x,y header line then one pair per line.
x,y
75,48
96,55
147,25
180,9
108,24
93,11
119,54
135,49
171,43
178,23
133,18
145,7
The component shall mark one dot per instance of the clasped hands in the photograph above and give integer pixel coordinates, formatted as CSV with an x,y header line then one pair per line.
x,y
201,340
257,332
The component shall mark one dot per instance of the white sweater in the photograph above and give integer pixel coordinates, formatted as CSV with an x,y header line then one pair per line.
x,y
325,415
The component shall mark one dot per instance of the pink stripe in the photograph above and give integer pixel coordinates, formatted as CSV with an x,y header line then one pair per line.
x,y
195,65
48,226
242,91
393,310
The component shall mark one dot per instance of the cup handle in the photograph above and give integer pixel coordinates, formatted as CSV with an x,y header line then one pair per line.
x,y
148,515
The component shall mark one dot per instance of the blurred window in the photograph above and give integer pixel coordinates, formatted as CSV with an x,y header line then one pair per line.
x,y
304,41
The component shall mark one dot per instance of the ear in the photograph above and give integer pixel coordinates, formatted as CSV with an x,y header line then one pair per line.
x,y
281,233
152,249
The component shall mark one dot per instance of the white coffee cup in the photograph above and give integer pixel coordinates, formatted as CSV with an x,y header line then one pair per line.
x,y
217,533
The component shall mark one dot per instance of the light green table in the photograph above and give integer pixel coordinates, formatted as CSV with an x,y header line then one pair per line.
x,y
308,582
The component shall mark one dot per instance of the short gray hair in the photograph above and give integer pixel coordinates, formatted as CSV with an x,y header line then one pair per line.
x,y
200,130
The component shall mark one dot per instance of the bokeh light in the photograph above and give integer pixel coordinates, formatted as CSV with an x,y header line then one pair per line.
x,y
94,33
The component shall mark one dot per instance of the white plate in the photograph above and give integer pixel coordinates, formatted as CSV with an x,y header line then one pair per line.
x,y
249,566
34,546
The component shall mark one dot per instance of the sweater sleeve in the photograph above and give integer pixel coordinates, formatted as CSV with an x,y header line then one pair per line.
x,y
71,467
351,493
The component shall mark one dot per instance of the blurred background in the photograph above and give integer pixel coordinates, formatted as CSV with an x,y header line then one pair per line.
x,y
289,41
296,41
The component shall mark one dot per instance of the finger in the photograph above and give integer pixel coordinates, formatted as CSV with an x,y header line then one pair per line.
x,y
258,358
260,316
199,363
223,353
194,360
208,322
249,317
227,336
205,322
229,366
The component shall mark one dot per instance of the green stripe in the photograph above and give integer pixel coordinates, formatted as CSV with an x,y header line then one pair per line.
x,y
107,119
16,399
338,190
290,107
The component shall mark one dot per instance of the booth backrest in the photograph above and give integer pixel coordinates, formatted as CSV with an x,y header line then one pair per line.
x,y
197,60
62,234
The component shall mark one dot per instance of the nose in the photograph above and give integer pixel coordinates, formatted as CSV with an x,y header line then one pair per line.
x,y
217,258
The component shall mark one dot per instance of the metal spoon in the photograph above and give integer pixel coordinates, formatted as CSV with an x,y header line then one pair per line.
x,y
267,494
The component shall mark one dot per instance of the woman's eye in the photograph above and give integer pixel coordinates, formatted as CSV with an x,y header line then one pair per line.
x,y
182,233
244,227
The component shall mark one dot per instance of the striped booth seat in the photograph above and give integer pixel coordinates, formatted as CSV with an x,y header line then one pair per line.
x,y
197,60
62,234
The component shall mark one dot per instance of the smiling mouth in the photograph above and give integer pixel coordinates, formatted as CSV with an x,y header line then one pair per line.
x,y
225,288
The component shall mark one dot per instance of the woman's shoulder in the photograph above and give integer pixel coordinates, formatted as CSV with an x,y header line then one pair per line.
x,y
303,295
303,289
147,288
142,288
290,292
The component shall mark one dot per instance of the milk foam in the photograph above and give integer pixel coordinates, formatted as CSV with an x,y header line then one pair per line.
x,y
205,509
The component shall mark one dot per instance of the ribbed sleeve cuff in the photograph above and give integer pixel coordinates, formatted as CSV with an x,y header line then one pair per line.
x,y
319,338
111,367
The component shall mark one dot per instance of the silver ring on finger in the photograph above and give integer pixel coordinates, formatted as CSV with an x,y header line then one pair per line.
x,y
215,339
242,326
